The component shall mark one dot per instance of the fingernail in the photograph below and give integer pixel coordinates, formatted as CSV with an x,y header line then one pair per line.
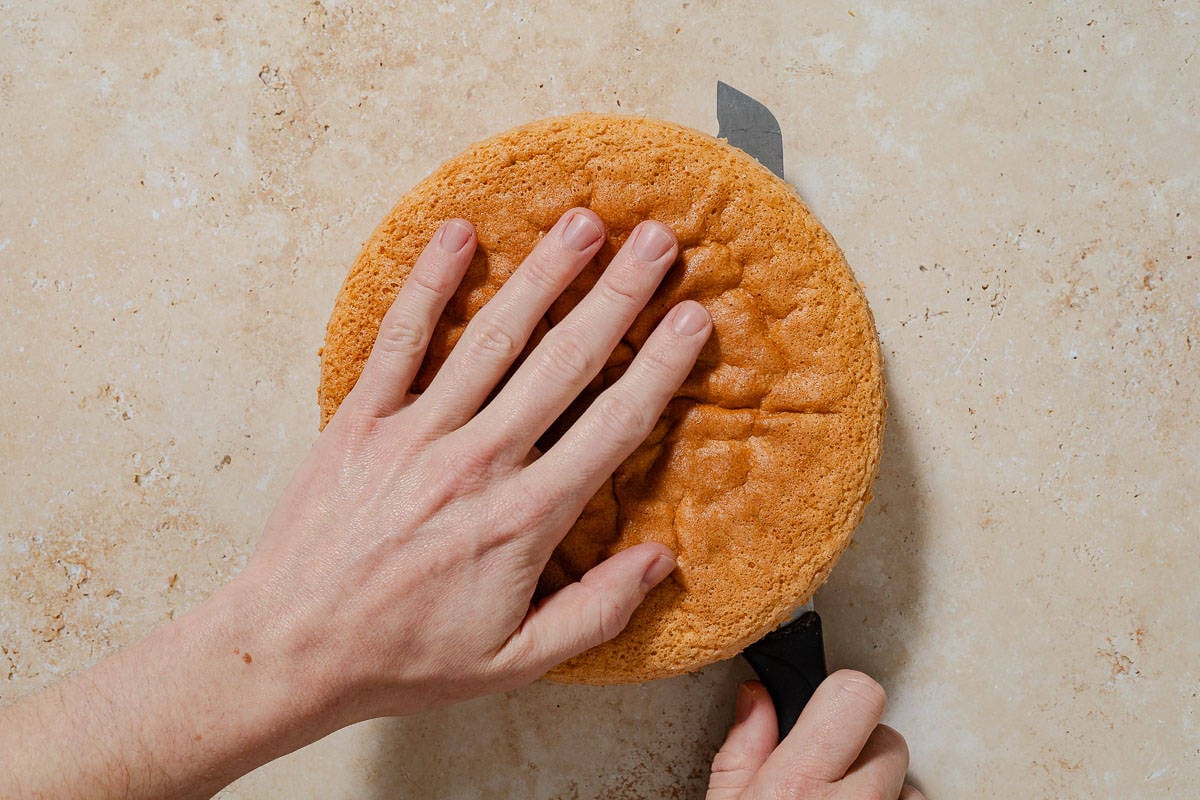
x,y
690,318
580,233
652,241
454,235
659,568
744,703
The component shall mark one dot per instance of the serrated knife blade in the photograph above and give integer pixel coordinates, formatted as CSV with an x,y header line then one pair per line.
x,y
750,126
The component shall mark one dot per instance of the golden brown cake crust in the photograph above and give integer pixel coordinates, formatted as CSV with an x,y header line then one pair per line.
x,y
758,471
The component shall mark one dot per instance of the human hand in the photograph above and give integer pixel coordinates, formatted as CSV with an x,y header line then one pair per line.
x,y
397,571
837,750
399,566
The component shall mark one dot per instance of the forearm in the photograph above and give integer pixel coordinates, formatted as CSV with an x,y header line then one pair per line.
x,y
196,704
406,502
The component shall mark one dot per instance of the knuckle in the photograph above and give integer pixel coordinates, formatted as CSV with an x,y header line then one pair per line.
x,y
620,287
624,416
542,273
352,429
469,468
728,765
428,281
491,338
657,363
565,357
505,531
539,504
731,783
401,334
518,520
611,615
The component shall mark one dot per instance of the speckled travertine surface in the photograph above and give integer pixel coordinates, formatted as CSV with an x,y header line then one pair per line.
x,y
183,190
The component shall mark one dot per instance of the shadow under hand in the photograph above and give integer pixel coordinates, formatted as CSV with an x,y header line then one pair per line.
x,y
869,604
550,741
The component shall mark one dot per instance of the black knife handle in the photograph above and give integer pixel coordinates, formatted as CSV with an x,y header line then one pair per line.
x,y
790,662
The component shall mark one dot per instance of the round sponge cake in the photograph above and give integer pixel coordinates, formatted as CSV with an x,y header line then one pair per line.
x,y
758,470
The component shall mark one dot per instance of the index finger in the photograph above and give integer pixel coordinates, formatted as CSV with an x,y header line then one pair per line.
x,y
830,734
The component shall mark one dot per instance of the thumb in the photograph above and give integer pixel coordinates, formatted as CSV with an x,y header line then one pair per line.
x,y
593,610
751,740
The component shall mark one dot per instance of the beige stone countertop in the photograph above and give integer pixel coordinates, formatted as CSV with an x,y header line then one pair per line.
x,y
184,186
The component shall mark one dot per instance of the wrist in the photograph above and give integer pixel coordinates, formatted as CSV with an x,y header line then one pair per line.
x,y
188,709
218,693
276,680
